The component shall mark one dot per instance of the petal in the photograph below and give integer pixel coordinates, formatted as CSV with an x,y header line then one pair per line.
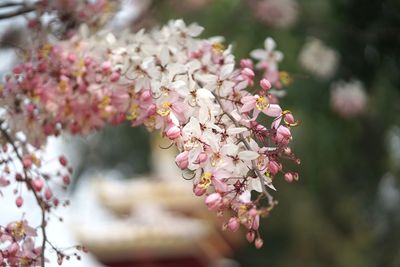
x,y
245,197
236,130
258,54
269,44
195,29
248,155
226,70
273,110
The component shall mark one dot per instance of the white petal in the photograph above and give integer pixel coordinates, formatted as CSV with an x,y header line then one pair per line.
x,y
229,149
226,70
236,130
245,197
255,184
248,155
269,44
258,54
164,56
195,29
204,94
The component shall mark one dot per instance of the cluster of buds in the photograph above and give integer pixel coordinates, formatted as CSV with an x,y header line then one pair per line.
x,y
167,79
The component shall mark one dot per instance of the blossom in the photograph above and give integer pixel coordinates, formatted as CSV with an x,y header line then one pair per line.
x,y
318,58
168,80
348,99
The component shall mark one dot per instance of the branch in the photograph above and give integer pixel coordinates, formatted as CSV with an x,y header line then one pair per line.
x,y
20,11
10,4
37,197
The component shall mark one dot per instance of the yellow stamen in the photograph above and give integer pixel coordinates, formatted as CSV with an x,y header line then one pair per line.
x,y
261,103
133,112
205,180
166,109
63,86
218,48
285,78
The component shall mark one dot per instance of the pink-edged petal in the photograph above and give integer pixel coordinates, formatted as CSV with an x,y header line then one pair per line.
x,y
273,110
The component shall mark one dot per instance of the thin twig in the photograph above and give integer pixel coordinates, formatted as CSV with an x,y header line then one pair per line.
x,y
39,200
20,11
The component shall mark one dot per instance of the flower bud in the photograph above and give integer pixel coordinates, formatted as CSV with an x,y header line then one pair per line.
x,y
288,177
115,76
27,162
19,201
38,184
199,190
173,132
250,236
202,157
246,63
273,167
259,243
63,161
182,160
145,96
248,73
48,194
66,180
233,224
213,201
289,118
265,84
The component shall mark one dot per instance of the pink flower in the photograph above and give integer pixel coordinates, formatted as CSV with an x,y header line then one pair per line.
x,y
214,201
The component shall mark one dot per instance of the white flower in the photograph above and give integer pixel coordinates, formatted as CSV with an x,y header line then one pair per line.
x,y
318,58
268,55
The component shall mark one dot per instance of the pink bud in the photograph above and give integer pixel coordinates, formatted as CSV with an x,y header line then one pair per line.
x,y
145,96
66,180
48,194
27,162
256,222
106,66
63,161
115,76
182,160
18,69
259,243
248,72
289,118
19,201
71,58
265,84
173,132
273,167
253,212
213,201
246,63
38,184
288,177
233,224
250,236
199,190
202,157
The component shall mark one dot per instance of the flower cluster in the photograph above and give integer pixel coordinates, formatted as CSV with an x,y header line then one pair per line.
x,y
67,15
169,80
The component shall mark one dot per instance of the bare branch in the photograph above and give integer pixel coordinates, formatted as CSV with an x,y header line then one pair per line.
x,y
20,11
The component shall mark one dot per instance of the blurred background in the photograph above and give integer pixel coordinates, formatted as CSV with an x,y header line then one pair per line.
x,y
343,58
